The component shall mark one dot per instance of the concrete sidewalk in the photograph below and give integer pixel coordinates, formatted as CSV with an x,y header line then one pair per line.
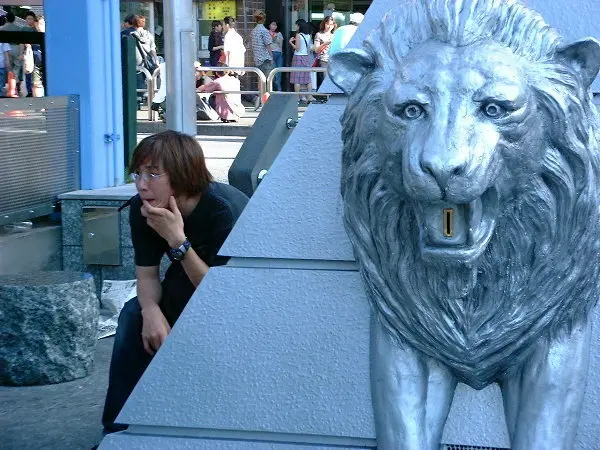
x,y
60,416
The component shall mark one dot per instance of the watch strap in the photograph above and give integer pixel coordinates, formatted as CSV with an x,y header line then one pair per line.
x,y
177,254
185,246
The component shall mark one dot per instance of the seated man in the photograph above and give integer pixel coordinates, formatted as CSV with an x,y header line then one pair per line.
x,y
180,211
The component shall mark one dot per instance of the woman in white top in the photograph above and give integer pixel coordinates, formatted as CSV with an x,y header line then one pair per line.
x,y
303,57
233,45
276,50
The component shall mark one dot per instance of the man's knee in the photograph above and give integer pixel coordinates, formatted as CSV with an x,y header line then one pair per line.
x,y
131,309
130,321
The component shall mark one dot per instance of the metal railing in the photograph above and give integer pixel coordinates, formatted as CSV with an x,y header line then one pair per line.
x,y
277,70
265,84
151,84
150,89
262,83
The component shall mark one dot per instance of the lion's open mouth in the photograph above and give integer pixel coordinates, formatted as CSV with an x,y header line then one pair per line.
x,y
457,232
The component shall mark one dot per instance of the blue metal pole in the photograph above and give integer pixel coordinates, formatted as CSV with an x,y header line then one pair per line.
x,y
86,61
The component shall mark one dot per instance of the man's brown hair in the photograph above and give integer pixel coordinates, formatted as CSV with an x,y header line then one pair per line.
x,y
181,157
259,17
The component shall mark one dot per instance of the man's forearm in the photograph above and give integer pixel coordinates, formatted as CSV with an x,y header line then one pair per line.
x,y
194,267
149,293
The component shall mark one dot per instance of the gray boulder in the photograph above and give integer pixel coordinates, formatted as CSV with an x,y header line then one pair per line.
x,y
48,323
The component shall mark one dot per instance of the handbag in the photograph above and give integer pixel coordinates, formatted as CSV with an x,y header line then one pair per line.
x,y
316,61
222,58
28,64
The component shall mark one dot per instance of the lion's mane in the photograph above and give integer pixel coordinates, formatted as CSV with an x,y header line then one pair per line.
x,y
539,275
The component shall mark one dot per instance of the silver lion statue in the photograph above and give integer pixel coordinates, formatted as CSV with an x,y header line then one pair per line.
x,y
470,185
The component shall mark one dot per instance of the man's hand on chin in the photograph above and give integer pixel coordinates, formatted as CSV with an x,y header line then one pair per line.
x,y
167,222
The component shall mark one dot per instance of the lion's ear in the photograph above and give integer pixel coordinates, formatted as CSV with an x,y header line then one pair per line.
x,y
348,67
584,57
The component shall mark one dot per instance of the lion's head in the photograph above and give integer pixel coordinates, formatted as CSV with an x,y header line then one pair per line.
x,y
469,179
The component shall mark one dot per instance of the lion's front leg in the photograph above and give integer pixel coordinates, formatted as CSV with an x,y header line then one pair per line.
x,y
411,394
543,398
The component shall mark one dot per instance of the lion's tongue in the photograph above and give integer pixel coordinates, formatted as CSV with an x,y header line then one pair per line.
x,y
448,224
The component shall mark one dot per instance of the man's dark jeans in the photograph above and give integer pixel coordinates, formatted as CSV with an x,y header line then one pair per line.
x,y
128,363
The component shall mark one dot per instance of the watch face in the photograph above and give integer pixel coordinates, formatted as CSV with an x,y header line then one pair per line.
x,y
177,254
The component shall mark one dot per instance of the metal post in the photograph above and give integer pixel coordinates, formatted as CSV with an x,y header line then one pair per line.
x,y
129,97
180,51
151,18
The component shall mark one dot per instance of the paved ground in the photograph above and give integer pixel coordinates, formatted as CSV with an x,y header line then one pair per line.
x,y
61,416
67,416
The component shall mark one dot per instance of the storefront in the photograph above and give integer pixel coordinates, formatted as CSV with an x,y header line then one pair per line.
x,y
204,11
285,12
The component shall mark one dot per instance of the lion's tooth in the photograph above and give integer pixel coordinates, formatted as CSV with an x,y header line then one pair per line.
x,y
474,220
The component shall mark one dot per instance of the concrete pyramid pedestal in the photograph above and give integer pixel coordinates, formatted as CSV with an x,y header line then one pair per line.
x,y
272,351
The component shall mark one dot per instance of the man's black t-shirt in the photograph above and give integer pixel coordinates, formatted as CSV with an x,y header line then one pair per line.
x,y
206,228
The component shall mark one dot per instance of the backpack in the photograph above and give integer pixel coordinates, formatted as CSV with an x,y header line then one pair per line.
x,y
203,109
148,62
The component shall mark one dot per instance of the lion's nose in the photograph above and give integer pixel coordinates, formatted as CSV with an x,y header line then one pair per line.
x,y
442,169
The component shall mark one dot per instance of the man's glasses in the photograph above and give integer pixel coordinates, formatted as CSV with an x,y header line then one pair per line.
x,y
150,176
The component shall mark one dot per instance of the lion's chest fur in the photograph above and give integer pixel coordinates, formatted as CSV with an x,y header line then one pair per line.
x,y
480,320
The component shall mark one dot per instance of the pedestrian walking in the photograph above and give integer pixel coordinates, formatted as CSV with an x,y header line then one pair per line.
x,y
303,47
261,44
215,43
233,45
277,52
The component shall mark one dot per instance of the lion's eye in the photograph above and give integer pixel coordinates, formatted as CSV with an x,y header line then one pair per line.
x,y
412,111
493,110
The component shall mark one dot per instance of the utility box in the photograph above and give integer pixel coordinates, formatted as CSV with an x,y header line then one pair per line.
x,y
101,235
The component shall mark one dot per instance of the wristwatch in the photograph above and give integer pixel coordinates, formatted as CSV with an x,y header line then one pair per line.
x,y
177,254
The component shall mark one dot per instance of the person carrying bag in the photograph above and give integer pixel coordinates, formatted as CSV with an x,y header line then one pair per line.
x,y
148,61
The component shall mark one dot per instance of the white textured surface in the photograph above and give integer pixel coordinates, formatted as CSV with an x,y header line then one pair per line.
x,y
284,354
124,441
297,210
290,355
